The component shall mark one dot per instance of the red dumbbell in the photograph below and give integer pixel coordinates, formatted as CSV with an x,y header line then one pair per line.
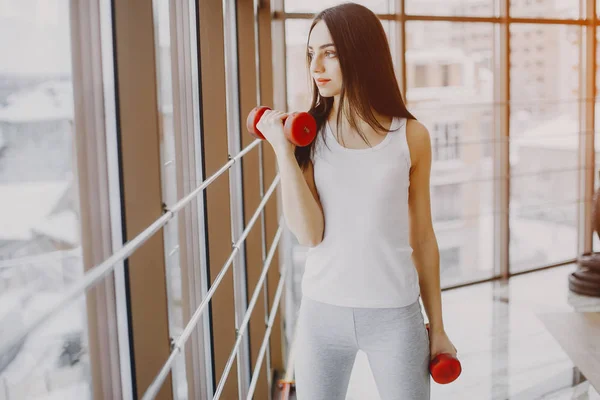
x,y
444,368
300,128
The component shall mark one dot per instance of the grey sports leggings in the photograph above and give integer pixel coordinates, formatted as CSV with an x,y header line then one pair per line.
x,y
394,339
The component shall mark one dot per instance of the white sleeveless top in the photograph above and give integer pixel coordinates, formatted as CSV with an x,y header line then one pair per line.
x,y
364,259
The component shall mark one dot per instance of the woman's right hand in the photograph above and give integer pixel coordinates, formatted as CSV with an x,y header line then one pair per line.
x,y
271,127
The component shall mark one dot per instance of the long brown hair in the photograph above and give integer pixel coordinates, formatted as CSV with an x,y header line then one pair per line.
x,y
368,79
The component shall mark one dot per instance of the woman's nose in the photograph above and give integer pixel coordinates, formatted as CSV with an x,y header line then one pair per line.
x,y
316,65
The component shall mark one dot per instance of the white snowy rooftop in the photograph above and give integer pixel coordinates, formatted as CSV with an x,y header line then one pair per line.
x,y
26,206
52,100
560,133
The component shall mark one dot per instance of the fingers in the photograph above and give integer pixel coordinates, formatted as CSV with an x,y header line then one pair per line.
x,y
271,117
274,117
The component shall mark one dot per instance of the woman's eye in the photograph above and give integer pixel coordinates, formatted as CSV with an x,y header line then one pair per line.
x,y
329,54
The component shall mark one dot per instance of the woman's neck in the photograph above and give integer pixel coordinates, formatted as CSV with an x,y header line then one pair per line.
x,y
344,122
336,104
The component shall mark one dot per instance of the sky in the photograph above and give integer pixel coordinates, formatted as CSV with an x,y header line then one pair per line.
x,y
35,37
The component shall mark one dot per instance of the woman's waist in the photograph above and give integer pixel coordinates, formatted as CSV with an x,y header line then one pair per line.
x,y
351,248
360,236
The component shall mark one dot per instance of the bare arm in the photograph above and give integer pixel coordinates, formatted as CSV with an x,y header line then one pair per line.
x,y
302,208
426,255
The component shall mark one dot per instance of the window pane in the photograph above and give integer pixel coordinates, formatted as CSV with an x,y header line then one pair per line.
x,y
544,130
544,9
451,7
315,6
40,247
298,82
450,90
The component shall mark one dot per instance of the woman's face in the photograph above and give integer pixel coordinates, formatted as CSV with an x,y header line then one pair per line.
x,y
324,63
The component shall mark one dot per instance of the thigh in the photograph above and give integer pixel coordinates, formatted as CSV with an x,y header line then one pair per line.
x,y
325,351
397,346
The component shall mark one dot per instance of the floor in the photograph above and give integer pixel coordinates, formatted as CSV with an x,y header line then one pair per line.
x,y
505,350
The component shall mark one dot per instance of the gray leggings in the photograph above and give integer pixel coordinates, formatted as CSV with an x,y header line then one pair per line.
x,y
394,339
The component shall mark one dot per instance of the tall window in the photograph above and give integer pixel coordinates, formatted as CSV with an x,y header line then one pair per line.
x,y
454,110
545,131
40,248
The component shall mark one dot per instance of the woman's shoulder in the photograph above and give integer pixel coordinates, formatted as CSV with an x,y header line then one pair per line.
x,y
416,129
418,139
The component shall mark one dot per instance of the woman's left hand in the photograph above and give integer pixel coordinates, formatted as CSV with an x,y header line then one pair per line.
x,y
439,343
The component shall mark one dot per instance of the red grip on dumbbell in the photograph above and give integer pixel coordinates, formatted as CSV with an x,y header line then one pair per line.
x,y
253,117
300,128
444,368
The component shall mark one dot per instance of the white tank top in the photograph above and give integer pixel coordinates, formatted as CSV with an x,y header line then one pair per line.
x,y
364,259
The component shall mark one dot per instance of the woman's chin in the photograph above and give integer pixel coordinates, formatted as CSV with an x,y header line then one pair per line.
x,y
326,92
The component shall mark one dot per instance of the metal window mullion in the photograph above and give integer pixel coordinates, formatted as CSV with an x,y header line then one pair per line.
x,y
184,60
280,101
189,219
586,159
204,378
501,144
258,5
278,36
112,158
201,275
235,187
98,177
280,15
170,160
402,48
398,42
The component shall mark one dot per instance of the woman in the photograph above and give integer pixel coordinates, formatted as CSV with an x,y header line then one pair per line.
x,y
359,198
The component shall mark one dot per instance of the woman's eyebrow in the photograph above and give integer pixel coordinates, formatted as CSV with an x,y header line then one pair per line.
x,y
323,46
